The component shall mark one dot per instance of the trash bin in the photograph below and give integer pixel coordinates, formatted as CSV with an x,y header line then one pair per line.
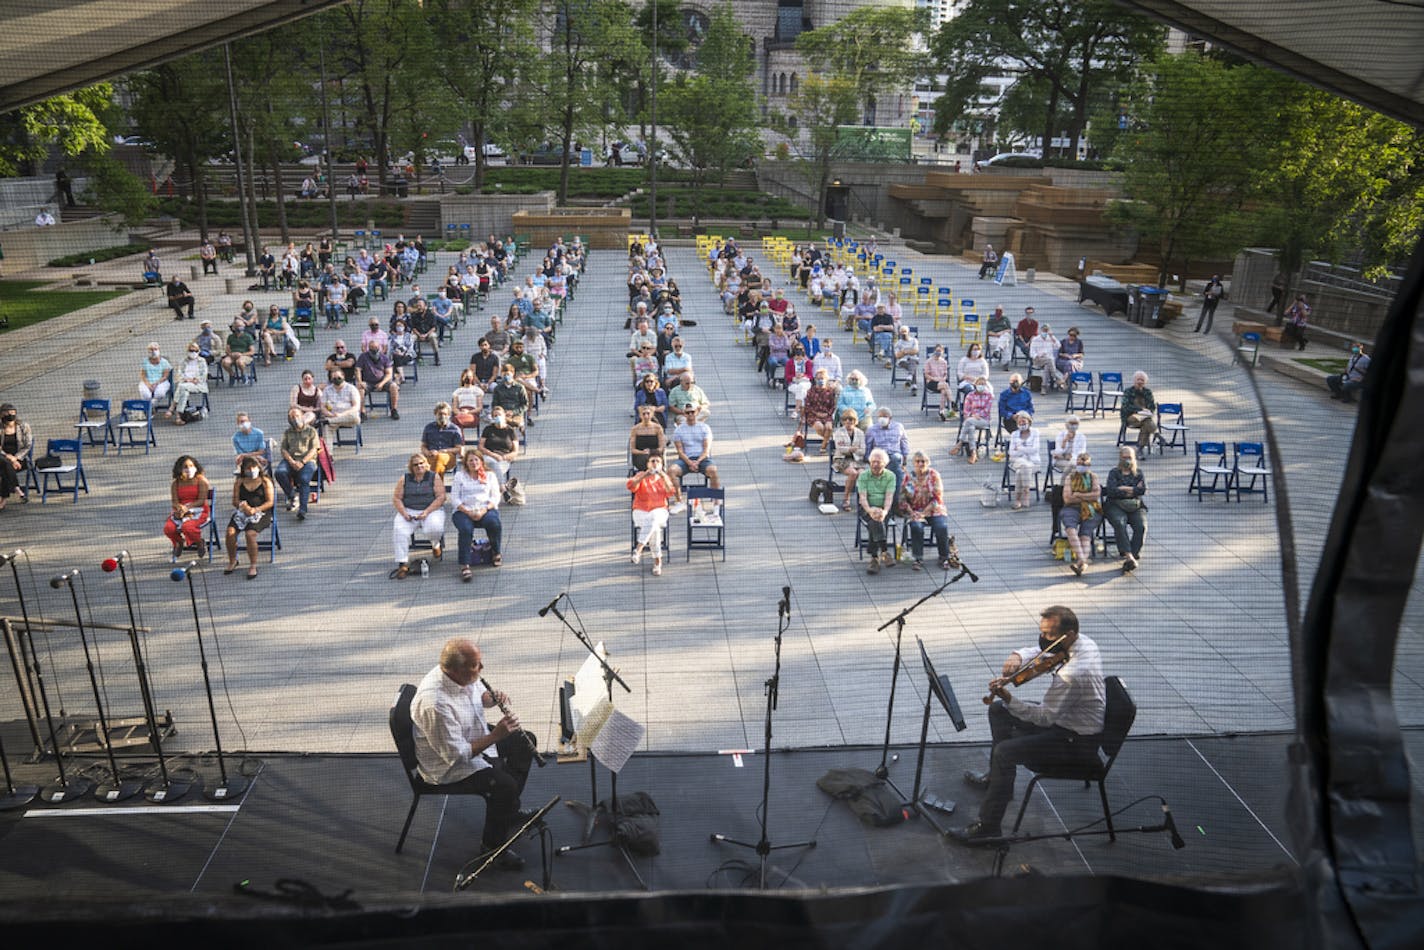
x,y
1147,306
92,388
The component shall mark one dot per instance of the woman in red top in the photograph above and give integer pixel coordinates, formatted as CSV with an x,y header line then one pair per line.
x,y
651,490
190,509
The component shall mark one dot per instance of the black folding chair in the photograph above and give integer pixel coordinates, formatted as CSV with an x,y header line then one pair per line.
x,y
403,732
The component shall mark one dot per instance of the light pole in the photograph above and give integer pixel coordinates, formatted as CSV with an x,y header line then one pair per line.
x,y
653,138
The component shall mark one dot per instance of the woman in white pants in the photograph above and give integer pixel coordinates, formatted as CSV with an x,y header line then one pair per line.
x,y
651,490
420,507
1024,459
192,378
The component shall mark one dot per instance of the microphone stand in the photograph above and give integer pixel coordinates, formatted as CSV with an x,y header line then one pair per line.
x,y
609,677
119,789
64,788
764,847
536,821
1168,825
882,771
170,790
16,796
229,787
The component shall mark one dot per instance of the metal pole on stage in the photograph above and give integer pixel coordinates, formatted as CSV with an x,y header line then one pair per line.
x,y
24,682
15,796
169,789
230,787
119,789
65,788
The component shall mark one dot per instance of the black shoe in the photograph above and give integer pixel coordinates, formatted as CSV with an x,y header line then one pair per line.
x,y
395,414
977,833
508,860
976,779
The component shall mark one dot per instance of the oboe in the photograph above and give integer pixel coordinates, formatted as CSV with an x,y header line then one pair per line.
x,y
504,708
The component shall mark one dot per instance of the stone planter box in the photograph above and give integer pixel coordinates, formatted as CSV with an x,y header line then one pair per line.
x,y
602,228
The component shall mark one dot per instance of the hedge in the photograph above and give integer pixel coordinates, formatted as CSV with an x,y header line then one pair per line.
x,y
98,255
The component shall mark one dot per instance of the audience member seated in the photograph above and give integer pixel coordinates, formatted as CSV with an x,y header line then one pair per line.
x,y
647,437
304,298
377,374
922,495
441,441
335,305
936,375
848,452
188,501
485,364
1070,444
155,375
650,394
1138,410
1343,386
1070,355
209,256
972,366
340,402
1123,507
1024,334
252,499
402,349
889,435
241,347
16,443
675,362
855,394
651,488
817,409
687,394
810,342
248,442
1082,511
306,397
300,448
907,357
526,368
208,342
509,394
778,351
1014,401
180,298
374,334
426,330
974,418
796,374
419,501
468,401
278,338
499,444
882,333
877,503
829,361
1024,460
693,441
152,269
475,495
999,334
1042,352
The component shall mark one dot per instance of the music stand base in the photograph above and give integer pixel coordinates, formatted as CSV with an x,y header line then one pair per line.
x,y
18,797
110,792
167,794
68,791
233,788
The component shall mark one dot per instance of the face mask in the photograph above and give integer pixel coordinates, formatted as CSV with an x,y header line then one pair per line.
x,y
294,423
973,354
498,420
9,417
884,422
249,473
508,378
818,382
1045,642
190,472
982,389
1355,350
1014,386
1082,469
245,426
1126,464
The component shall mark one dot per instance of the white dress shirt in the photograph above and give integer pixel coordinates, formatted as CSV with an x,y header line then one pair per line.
x,y
1076,698
447,718
468,492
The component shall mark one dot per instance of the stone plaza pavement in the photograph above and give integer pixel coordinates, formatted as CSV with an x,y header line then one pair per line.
x,y
312,651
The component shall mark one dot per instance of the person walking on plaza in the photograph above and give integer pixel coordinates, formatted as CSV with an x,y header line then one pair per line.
x,y
1211,296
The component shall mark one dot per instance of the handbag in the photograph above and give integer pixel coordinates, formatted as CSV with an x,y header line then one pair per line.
x,y
48,461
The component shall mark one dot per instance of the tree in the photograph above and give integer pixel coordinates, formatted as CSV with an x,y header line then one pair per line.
x,y
1073,48
484,48
114,190
74,123
173,106
818,108
869,49
712,115
1199,129
583,35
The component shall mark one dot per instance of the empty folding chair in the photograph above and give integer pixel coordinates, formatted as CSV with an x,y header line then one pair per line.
x,y
1211,460
94,418
1171,426
1248,347
135,425
1082,397
1249,461
1109,394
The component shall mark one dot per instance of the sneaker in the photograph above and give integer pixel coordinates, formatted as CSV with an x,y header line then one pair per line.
x,y
1129,564
291,504
976,779
637,556
395,414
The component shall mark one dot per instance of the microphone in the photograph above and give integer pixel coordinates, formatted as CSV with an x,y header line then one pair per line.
x,y
1171,824
784,608
178,573
59,580
544,611
111,564
13,555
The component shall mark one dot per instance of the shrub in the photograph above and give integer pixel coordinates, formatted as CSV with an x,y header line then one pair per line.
x,y
98,254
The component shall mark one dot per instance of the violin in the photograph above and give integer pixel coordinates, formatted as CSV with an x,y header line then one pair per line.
x,y
1047,660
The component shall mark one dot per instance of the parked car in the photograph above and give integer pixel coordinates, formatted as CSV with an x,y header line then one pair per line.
x,y
547,154
1002,157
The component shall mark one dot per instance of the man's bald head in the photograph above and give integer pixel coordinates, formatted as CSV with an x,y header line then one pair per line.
x,y
460,660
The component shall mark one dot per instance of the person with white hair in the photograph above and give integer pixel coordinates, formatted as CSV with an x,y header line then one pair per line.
x,y
876,488
1042,352
1138,410
1024,460
856,395
1070,444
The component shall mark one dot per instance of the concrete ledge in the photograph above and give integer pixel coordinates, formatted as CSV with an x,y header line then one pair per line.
x,y
1290,366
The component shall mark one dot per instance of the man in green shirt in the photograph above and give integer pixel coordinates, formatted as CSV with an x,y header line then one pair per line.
x,y
1139,410
240,344
295,472
688,393
877,499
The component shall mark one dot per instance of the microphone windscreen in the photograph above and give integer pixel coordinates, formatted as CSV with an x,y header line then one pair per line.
x,y
110,564
178,574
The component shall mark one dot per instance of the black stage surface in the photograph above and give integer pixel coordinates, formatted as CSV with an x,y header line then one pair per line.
x,y
332,821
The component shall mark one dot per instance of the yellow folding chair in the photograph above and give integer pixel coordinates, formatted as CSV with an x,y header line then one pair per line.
x,y
970,329
922,301
944,311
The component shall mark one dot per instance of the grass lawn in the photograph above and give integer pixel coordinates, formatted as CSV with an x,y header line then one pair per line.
x,y
22,305
1326,365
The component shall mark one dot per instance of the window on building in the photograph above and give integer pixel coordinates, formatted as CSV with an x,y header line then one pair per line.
x,y
789,14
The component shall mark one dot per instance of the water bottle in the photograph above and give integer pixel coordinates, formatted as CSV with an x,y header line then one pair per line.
x,y
424,568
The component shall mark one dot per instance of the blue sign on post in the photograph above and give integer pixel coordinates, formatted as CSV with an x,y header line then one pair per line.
x,y
586,157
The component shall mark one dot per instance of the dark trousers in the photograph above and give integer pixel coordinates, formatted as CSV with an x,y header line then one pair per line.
x,y
1342,388
178,303
1121,520
1022,743
501,786
210,265
1208,314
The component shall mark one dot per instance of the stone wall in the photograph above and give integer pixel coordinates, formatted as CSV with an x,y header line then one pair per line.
x,y
490,214
31,247
1343,311
22,198
869,184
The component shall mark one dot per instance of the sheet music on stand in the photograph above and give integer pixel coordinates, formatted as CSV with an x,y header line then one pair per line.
x,y
610,735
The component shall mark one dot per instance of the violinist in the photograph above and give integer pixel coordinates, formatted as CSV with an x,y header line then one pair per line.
x,y
1063,727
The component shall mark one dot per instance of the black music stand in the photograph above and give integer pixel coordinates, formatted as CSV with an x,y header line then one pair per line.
x,y
940,690
592,809
882,771
535,822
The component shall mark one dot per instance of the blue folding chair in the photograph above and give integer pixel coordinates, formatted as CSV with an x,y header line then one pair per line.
x,y
135,426
709,531
1007,482
893,537
272,542
372,404
1171,426
60,448
1211,460
94,416
1110,388
1249,461
1082,397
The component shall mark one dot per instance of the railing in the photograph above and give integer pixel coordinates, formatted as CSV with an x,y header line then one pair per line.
x,y
1349,278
